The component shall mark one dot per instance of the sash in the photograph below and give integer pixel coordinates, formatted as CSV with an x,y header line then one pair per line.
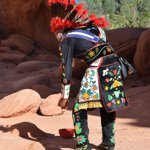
x,y
83,34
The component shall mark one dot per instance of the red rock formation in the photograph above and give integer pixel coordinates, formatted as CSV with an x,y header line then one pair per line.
x,y
49,106
142,54
28,49
26,65
28,60
21,102
124,41
20,42
29,18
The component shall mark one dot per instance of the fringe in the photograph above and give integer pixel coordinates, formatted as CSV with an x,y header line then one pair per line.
x,y
90,105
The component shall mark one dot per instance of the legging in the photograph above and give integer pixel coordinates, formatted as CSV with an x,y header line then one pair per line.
x,y
82,130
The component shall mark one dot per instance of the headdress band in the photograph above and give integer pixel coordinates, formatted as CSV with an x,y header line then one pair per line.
x,y
67,15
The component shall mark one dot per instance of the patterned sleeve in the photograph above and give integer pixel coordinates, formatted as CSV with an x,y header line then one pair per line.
x,y
66,54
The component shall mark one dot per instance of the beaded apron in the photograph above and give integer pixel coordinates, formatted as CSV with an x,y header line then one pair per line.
x,y
102,84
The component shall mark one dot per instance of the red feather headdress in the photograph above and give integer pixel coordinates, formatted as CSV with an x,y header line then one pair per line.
x,y
67,15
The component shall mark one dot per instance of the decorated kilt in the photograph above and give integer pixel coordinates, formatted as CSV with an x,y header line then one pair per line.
x,y
102,85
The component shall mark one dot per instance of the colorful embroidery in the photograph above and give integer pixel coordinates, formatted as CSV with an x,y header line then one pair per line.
x,y
90,104
80,132
81,139
99,51
91,53
112,139
89,86
109,49
85,147
78,128
112,86
65,90
97,62
76,107
103,35
73,117
108,71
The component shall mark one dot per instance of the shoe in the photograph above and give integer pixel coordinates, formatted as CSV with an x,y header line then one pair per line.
x,y
85,147
105,147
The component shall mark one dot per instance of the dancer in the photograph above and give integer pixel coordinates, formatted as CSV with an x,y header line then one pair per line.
x,y
82,36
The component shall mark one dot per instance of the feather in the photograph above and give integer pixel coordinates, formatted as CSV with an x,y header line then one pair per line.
x,y
79,13
50,2
103,23
97,22
84,13
65,16
78,10
56,24
65,2
79,7
72,15
55,1
72,2
92,17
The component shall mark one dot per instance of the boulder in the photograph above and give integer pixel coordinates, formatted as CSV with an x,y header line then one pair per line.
x,y
47,57
19,103
29,18
27,82
32,66
43,90
14,58
142,54
124,41
21,42
49,106
5,49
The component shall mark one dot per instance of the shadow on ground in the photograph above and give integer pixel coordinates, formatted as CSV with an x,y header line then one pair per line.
x,y
49,141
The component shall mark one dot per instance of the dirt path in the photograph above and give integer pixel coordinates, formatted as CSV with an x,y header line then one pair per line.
x,y
35,132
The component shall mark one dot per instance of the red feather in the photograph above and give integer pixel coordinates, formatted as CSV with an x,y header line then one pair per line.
x,y
54,1
79,7
50,2
97,22
72,2
92,17
84,13
59,1
56,24
65,2
79,13
103,23
75,17
79,10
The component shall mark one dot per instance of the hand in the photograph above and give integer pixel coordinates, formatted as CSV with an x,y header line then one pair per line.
x,y
63,103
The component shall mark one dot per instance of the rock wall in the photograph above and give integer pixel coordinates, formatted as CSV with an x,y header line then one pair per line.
x,y
142,54
28,51
30,18
124,40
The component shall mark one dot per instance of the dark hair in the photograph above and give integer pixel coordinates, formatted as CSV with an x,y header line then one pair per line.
x,y
93,29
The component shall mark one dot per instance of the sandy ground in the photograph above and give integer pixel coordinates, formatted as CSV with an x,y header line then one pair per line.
x,y
35,132
32,132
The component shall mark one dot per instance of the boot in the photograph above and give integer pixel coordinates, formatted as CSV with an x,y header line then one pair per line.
x,y
85,132
85,147
105,147
81,129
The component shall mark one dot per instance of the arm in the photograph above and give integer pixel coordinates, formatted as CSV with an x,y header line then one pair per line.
x,y
66,53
